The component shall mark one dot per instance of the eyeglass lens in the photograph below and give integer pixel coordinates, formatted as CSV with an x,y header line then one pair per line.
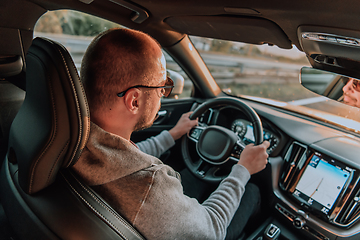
x,y
169,83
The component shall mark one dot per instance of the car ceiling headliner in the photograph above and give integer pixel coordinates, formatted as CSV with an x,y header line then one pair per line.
x,y
286,15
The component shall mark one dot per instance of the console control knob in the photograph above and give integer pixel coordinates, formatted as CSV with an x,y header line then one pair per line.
x,y
299,222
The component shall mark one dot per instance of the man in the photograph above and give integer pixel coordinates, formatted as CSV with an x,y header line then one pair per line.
x,y
156,146
351,95
124,76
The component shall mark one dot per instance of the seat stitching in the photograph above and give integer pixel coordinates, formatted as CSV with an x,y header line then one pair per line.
x,y
89,205
107,208
52,136
87,132
104,206
57,159
77,101
55,116
84,94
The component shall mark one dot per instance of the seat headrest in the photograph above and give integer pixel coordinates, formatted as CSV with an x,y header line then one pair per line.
x,y
52,126
10,66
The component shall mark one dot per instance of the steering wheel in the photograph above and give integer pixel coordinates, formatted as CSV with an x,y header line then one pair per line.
x,y
217,147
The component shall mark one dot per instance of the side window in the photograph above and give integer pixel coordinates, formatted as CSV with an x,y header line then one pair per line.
x,y
75,30
184,86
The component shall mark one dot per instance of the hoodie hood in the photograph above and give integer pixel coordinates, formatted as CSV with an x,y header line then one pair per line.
x,y
112,154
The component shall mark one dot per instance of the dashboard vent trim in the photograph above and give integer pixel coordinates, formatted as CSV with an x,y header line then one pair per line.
x,y
295,157
351,213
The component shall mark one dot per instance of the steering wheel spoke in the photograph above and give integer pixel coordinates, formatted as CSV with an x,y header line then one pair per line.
x,y
195,133
206,170
238,148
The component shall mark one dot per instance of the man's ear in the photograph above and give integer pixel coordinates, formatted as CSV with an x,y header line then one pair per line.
x,y
131,100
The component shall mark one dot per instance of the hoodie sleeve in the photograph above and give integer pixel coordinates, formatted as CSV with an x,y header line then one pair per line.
x,y
167,213
157,145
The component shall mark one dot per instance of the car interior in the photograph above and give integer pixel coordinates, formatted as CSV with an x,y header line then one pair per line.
x,y
310,187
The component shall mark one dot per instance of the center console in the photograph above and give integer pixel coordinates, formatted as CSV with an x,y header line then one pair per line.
x,y
321,185
318,193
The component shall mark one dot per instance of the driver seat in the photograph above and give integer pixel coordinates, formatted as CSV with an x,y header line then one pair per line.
x,y
41,196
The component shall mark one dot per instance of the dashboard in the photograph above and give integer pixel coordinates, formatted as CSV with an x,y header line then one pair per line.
x,y
315,170
245,131
236,121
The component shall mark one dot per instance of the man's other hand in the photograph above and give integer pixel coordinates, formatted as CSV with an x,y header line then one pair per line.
x,y
254,158
183,126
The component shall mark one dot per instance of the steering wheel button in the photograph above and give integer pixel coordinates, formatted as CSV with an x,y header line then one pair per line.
x,y
201,173
196,133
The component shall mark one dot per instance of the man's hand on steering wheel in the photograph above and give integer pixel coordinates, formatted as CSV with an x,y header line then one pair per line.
x,y
254,158
183,126
217,147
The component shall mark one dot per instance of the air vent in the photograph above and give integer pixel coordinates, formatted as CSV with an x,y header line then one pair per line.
x,y
351,213
295,158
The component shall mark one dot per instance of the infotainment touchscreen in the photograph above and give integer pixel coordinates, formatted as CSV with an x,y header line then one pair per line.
x,y
321,184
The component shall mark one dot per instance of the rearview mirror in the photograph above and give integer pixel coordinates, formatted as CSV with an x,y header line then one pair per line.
x,y
334,86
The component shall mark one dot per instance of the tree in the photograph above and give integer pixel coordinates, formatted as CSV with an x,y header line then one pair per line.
x,y
221,46
72,23
49,23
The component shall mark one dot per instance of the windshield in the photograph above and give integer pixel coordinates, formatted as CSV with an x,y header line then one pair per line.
x,y
271,75
258,72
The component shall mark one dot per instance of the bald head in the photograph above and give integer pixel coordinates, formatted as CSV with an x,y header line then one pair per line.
x,y
118,59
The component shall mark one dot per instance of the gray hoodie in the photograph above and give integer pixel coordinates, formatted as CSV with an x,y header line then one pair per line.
x,y
149,194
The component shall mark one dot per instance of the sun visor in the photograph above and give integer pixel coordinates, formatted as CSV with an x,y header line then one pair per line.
x,y
243,29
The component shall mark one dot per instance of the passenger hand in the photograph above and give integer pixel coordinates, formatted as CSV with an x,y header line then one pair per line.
x,y
183,126
254,158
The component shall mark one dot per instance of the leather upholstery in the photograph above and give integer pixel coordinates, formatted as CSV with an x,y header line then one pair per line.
x,y
52,125
41,197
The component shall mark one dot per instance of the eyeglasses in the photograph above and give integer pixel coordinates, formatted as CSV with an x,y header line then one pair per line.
x,y
355,83
166,89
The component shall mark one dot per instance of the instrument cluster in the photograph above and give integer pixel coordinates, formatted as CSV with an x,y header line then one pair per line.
x,y
245,131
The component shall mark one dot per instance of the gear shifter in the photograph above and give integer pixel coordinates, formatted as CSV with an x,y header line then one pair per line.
x,y
272,232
